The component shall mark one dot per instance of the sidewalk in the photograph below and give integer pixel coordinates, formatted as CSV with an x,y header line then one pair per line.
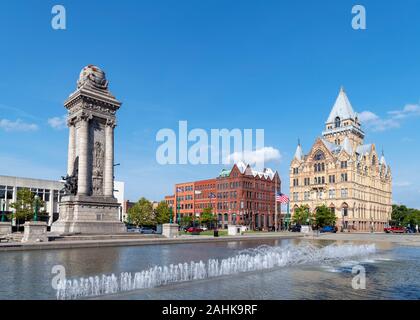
x,y
401,239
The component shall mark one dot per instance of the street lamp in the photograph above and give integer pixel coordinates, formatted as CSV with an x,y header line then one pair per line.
x,y
178,207
3,205
170,215
36,207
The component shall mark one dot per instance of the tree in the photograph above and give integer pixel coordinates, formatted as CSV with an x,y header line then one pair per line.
x,y
324,216
301,215
403,216
141,214
399,213
25,204
207,217
185,220
162,213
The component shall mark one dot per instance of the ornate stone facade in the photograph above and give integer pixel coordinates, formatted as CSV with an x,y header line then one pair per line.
x,y
92,208
343,173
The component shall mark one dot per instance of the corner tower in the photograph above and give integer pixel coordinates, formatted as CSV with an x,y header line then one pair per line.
x,y
343,122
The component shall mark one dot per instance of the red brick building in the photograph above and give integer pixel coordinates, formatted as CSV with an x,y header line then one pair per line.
x,y
240,195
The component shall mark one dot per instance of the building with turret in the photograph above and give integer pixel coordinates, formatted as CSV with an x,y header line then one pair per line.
x,y
344,173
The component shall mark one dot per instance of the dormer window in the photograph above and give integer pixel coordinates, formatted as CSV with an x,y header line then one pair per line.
x,y
319,156
337,122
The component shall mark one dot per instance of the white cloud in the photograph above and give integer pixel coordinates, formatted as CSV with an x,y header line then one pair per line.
x,y
17,125
58,122
408,111
402,184
393,120
376,123
256,157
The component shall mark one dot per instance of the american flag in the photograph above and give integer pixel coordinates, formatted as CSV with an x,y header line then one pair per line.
x,y
212,195
282,198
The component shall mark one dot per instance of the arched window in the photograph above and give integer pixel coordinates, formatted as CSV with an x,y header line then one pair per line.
x,y
374,160
319,155
337,122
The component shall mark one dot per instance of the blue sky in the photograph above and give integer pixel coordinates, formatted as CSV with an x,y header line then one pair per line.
x,y
275,65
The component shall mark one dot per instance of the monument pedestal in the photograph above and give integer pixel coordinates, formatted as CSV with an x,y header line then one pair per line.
x,y
5,228
170,230
35,231
88,215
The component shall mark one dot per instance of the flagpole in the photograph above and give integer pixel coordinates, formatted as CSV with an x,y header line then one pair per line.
x,y
275,202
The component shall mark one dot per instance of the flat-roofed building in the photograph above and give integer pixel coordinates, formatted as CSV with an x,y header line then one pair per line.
x,y
49,191
240,195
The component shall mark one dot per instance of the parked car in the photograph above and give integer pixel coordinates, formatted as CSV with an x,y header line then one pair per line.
x,y
394,230
296,228
410,230
147,230
194,230
328,229
132,229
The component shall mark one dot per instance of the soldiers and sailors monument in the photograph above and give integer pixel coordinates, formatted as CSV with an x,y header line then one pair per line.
x,y
89,205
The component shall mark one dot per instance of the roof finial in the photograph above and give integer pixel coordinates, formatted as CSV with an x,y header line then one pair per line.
x,y
298,141
383,151
342,89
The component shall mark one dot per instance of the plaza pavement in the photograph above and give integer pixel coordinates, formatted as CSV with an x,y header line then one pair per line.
x,y
97,241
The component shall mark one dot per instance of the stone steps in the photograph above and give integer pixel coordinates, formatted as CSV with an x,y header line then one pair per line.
x,y
15,237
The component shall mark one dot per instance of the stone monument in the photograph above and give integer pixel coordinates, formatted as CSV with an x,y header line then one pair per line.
x,y
5,228
35,231
89,205
170,230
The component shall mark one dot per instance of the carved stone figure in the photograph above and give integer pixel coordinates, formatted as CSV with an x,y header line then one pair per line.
x,y
92,76
70,184
98,156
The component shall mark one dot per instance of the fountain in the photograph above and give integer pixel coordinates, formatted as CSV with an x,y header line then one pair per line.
x,y
250,260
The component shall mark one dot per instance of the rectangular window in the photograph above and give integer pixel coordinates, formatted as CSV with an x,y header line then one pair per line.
x,y
331,194
331,179
306,195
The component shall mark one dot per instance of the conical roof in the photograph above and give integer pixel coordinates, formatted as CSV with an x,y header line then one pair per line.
x,y
299,153
342,108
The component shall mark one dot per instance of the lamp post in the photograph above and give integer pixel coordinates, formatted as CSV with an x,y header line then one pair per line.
x,y
3,205
36,207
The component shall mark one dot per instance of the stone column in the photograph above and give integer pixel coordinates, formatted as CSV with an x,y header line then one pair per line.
x,y
72,148
82,141
109,159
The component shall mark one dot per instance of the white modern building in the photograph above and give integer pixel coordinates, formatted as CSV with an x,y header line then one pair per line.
x,y
48,190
